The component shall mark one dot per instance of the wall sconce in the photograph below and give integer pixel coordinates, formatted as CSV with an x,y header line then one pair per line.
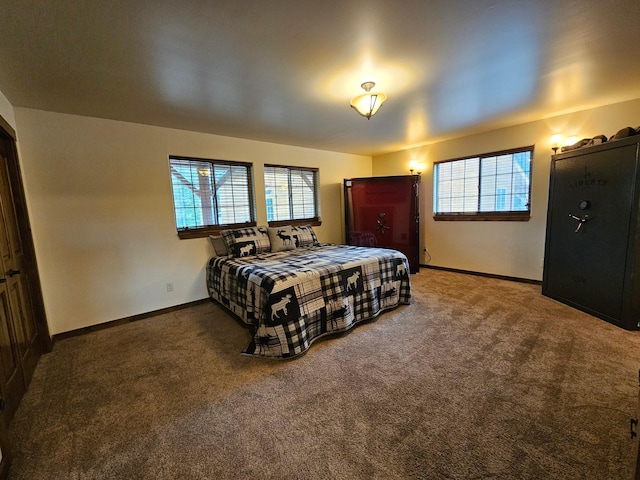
x,y
556,141
417,166
367,104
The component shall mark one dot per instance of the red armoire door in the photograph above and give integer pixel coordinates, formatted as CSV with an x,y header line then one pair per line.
x,y
383,212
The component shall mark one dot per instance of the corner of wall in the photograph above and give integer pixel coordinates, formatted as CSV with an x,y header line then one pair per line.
x,y
6,111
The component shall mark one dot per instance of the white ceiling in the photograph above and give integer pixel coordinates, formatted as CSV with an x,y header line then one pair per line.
x,y
283,70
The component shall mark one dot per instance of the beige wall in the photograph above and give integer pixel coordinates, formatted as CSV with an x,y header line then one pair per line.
x,y
6,111
505,248
102,212
99,197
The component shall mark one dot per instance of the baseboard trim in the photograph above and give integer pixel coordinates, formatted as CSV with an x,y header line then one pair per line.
x,y
133,318
482,274
122,321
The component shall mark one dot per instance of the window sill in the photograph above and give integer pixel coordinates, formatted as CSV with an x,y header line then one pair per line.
x,y
206,231
483,217
314,222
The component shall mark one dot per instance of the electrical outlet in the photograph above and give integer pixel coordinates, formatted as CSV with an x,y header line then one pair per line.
x,y
170,287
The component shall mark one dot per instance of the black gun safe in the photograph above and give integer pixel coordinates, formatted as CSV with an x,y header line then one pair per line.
x,y
592,240
383,212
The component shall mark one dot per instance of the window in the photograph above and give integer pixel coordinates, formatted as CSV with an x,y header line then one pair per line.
x,y
291,195
492,186
209,195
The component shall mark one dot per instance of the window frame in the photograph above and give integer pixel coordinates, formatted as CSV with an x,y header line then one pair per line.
x,y
314,221
206,230
511,215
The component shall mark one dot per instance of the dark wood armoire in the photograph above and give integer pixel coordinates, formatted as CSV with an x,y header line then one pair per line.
x,y
383,212
591,257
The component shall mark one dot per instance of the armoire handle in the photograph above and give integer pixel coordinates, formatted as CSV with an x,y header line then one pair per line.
x,y
11,272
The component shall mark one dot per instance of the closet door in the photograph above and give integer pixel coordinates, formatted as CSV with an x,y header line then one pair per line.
x,y
636,437
21,342
12,385
16,277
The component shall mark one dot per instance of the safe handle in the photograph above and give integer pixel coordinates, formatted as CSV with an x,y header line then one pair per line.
x,y
582,221
382,223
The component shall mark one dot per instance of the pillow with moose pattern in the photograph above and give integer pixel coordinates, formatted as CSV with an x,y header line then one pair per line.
x,y
242,242
304,236
281,238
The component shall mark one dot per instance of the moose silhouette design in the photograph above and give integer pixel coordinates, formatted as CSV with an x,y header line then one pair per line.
x,y
280,306
285,238
352,281
247,249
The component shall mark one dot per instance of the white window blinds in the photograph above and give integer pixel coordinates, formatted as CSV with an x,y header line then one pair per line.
x,y
291,193
496,183
210,193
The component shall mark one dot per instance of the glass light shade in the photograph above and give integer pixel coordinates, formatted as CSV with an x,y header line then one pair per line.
x,y
416,165
556,140
368,103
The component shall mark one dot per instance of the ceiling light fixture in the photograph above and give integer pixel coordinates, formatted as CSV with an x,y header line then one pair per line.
x,y
367,104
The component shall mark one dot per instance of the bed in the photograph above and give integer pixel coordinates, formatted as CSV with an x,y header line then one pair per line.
x,y
293,290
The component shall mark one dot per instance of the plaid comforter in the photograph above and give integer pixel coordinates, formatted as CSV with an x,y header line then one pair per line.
x,y
297,296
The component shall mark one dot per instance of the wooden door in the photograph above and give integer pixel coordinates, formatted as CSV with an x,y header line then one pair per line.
x,y
12,385
636,437
12,380
21,335
16,276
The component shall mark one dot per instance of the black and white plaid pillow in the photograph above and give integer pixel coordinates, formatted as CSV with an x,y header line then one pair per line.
x,y
304,236
242,242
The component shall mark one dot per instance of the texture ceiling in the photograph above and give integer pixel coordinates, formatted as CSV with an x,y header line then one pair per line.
x,y
284,71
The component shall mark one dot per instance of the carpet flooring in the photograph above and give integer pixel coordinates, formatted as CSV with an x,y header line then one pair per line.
x,y
478,378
